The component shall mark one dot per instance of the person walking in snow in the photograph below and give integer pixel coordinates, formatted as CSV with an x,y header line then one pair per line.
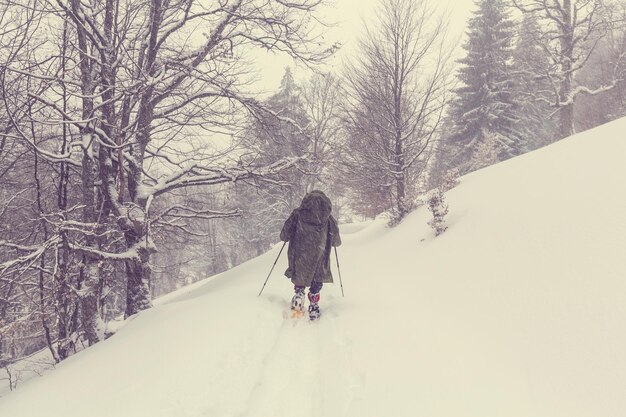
x,y
311,232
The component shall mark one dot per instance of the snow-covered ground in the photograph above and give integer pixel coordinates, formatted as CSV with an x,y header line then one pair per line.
x,y
519,309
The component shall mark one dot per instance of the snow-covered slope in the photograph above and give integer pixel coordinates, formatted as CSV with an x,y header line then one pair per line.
x,y
519,309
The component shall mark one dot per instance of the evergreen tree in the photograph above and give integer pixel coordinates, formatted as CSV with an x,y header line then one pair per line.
x,y
282,133
532,64
485,103
299,121
279,133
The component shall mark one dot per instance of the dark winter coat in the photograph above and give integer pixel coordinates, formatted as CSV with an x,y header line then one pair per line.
x,y
311,232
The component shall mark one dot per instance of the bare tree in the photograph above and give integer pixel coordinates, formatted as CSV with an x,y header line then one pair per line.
x,y
594,110
323,99
569,33
397,91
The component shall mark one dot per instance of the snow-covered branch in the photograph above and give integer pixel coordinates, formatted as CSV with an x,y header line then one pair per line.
x,y
190,213
581,89
131,253
196,175
27,260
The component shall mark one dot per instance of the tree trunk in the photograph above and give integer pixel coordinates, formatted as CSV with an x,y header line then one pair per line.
x,y
138,274
138,270
399,150
42,261
63,299
91,274
93,325
400,183
566,121
566,114
91,271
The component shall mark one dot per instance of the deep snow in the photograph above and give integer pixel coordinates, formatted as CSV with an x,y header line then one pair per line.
x,y
517,310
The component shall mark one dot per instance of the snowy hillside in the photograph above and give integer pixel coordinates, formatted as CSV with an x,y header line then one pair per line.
x,y
517,310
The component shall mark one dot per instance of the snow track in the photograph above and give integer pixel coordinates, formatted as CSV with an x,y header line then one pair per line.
x,y
338,375
307,372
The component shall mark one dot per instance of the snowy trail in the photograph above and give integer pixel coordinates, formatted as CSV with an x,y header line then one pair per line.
x,y
341,379
307,372
289,378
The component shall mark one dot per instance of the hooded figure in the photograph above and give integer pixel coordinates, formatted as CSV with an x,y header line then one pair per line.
x,y
311,232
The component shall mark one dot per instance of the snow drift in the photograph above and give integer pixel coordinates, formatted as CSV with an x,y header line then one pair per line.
x,y
518,309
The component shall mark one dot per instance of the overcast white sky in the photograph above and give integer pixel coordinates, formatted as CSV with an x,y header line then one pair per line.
x,y
350,15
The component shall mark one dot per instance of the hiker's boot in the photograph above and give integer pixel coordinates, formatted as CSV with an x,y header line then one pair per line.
x,y
314,308
297,302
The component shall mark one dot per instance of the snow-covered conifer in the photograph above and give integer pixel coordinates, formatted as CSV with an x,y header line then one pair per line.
x,y
439,208
486,102
486,152
530,63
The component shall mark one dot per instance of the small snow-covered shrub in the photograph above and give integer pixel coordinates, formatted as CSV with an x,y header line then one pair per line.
x,y
437,202
438,206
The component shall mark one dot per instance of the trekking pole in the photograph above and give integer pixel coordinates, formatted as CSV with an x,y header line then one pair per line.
x,y
339,271
268,275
